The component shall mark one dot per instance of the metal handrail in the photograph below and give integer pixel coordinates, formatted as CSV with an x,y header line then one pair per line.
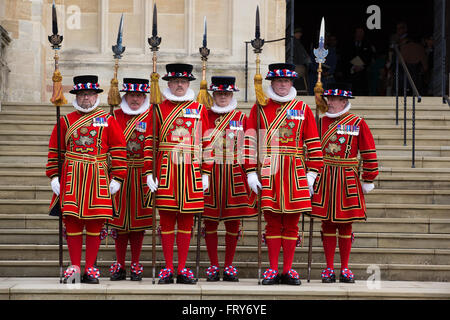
x,y
406,76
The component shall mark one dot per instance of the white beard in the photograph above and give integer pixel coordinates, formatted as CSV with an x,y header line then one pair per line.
x,y
340,113
190,95
76,106
127,110
216,109
290,96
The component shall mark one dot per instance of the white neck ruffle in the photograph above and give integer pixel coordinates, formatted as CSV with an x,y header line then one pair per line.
x,y
76,106
290,96
216,109
127,110
190,95
340,113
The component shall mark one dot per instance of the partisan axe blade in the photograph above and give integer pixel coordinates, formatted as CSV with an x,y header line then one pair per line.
x,y
119,49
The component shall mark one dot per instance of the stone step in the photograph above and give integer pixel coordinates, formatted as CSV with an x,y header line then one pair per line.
x,y
23,166
421,150
388,271
243,254
376,210
36,120
367,101
378,127
384,161
364,240
412,172
29,146
25,192
163,296
409,196
406,210
30,178
420,130
373,224
406,161
423,140
16,135
382,150
412,181
385,140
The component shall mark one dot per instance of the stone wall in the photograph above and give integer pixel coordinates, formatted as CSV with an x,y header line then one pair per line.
x,y
4,70
90,29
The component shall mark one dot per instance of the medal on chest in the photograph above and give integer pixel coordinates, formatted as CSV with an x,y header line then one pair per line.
x,y
191,113
141,126
347,130
100,122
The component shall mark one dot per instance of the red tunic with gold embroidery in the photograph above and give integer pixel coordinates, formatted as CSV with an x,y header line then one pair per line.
x,y
338,194
179,129
229,196
86,140
133,213
285,129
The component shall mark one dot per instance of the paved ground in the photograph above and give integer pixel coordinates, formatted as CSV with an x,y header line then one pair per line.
x,y
246,289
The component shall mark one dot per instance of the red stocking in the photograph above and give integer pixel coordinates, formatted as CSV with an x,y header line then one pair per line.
x,y
211,241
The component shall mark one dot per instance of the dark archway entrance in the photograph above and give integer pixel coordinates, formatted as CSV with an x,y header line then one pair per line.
x,y
342,17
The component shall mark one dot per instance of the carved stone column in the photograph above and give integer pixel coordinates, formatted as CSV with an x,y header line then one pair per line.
x,y
4,70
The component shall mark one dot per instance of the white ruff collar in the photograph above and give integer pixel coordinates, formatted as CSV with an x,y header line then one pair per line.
x,y
76,106
216,109
127,110
340,113
190,95
291,95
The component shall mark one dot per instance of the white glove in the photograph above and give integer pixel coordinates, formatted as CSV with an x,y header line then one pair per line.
x,y
152,184
114,186
367,187
253,182
205,182
311,176
55,186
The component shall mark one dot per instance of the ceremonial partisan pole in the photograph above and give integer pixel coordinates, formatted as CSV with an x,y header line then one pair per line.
x,y
155,100
203,98
320,54
203,95
113,95
58,100
261,100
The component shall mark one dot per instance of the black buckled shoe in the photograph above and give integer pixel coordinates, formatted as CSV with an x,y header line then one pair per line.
x,y
137,270
166,276
212,274
230,274
292,278
91,276
117,272
271,277
186,276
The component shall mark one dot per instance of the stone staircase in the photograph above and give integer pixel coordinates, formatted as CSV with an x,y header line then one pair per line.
x,y
407,234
